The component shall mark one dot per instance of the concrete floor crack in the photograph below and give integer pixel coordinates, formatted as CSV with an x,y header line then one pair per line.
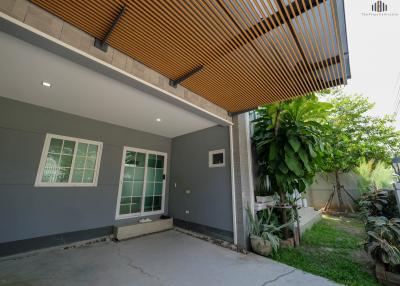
x,y
138,268
278,277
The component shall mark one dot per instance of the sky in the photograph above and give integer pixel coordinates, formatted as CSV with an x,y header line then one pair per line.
x,y
374,49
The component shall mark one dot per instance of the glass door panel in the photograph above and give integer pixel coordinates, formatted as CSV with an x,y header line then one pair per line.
x,y
132,183
154,183
142,183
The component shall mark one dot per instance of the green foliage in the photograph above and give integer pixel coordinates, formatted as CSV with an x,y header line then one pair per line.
x,y
378,203
374,176
327,250
289,141
353,134
383,242
264,225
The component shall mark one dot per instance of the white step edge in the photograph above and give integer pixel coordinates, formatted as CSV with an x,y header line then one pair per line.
x,y
139,229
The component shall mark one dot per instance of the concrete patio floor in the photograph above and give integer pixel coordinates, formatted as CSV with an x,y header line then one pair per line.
x,y
167,258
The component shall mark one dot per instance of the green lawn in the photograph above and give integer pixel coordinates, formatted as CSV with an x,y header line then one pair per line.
x,y
332,249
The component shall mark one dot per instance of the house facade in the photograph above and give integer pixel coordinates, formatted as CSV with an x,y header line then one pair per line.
x,y
107,119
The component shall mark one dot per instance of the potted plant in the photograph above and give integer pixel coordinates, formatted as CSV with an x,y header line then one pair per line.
x,y
263,232
383,245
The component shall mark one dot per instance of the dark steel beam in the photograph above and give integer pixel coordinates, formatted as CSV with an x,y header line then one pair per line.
x,y
322,64
334,82
102,44
175,82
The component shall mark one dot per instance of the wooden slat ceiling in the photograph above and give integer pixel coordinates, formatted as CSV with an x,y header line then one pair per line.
x,y
252,52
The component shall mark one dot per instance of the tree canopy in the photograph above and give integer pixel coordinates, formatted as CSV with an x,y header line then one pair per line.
x,y
353,134
289,139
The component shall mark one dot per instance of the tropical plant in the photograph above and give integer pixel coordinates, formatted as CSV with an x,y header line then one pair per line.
x,y
289,142
374,176
378,203
353,134
383,243
263,225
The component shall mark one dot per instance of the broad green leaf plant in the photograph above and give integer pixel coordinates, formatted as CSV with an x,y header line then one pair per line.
x,y
289,141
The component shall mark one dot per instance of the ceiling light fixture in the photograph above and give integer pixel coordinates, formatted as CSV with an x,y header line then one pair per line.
x,y
158,119
46,84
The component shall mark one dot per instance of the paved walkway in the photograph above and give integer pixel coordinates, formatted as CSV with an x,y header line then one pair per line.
x,y
168,258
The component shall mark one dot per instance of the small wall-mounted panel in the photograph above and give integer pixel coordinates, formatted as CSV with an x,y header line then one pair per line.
x,y
216,158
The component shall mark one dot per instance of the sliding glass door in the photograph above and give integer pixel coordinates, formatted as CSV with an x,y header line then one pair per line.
x,y
142,183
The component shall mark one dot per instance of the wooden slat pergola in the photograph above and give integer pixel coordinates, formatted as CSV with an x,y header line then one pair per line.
x,y
238,54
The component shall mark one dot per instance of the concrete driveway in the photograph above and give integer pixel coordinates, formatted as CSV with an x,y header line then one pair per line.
x,y
167,258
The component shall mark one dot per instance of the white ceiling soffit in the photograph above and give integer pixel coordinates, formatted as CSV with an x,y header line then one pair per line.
x,y
82,91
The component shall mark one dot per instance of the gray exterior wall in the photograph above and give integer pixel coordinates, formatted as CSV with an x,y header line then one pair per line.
x,y
210,200
27,211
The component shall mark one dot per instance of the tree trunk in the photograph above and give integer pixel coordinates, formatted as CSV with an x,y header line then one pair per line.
x,y
282,194
339,191
284,214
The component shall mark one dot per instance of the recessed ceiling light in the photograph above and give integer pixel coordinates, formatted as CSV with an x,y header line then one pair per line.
x,y
158,119
46,84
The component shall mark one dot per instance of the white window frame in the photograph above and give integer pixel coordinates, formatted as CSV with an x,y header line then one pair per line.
x,y
210,158
42,164
142,213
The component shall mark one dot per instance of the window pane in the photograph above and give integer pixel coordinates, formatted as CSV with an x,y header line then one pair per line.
x,y
159,175
68,148
55,145
130,158
52,160
148,204
82,149
48,176
126,200
127,189
92,150
66,161
128,173
140,159
150,174
136,205
80,162
158,189
160,161
150,189
77,176
63,175
139,174
90,163
88,176
124,209
151,162
51,168
137,189
157,203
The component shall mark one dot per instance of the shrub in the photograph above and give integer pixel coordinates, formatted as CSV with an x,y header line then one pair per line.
x,y
383,243
378,203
